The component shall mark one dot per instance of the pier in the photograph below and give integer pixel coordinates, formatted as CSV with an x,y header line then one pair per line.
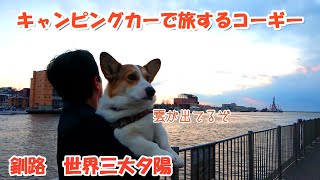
x,y
277,153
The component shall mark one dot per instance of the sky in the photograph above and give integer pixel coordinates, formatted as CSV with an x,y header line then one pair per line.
x,y
248,67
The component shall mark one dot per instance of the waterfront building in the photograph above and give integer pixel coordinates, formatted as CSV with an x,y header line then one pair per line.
x,y
4,101
12,98
185,101
25,92
228,106
18,102
42,94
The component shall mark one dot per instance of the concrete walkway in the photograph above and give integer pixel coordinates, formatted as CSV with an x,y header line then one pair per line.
x,y
307,168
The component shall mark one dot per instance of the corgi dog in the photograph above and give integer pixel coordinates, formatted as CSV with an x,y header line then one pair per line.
x,y
127,105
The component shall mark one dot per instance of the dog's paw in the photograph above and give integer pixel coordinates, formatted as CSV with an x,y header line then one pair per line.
x,y
177,161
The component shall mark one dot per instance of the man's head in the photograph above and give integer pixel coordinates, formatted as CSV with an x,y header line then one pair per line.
x,y
75,77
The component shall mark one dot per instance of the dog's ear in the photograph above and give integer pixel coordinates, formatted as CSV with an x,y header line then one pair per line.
x,y
109,66
152,68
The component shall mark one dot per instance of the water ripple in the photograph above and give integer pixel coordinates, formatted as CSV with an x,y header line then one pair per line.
x,y
37,134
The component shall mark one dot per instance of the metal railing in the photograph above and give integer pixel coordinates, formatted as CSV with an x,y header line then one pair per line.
x,y
255,155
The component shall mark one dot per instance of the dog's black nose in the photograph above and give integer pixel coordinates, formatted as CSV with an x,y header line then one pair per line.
x,y
150,91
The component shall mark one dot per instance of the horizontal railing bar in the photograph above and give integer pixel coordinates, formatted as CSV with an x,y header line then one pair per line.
x,y
211,143
264,130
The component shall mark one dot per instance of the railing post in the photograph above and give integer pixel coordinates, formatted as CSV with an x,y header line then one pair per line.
x,y
295,142
313,131
279,151
318,127
302,138
299,133
214,160
175,173
251,155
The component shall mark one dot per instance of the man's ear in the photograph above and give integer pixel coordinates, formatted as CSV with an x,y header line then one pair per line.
x,y
152,68
97,81
109,66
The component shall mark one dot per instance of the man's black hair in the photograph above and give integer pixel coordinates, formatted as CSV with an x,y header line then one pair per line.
x,y
72,75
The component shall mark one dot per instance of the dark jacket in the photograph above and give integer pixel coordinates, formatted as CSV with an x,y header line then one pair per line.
x,y
82,132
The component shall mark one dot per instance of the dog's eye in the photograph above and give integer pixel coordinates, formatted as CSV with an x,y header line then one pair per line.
x,y
132,77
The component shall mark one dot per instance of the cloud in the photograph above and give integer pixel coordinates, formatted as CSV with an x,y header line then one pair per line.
x,y
252,102
302,69
205,103
316,68
191,61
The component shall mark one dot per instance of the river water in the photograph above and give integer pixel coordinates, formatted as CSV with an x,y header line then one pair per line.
x,y
37,134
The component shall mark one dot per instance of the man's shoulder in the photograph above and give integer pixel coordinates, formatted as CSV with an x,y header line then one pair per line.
x,y
80,113
100,119
97,122
77,118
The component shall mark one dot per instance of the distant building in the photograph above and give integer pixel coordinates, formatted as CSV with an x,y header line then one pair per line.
x,y
18,102
4,100
11,98
228,106
186,101
7,90
233,107
42,94
25,92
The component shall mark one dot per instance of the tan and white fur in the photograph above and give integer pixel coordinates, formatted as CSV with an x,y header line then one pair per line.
x,y
129,92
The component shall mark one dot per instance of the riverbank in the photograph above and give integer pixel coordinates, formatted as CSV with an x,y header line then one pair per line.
x,y
12,112
37,111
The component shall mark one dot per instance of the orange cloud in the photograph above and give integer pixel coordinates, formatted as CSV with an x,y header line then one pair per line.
x,y
252,101
302,69
316,68
205,103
